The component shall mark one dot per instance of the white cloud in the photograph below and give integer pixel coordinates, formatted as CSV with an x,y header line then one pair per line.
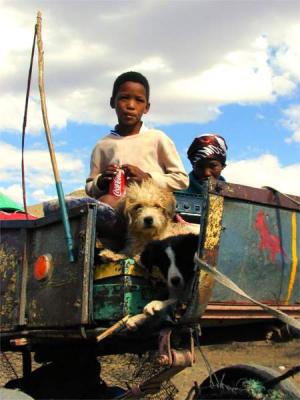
x,y
16,34
14,106
10,158
257,61
265,171
39,177
39,196
244,76
288,53
292,122
240,77
198,57
151,64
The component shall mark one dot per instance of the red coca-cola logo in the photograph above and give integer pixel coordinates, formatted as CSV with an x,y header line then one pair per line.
x,y
118,184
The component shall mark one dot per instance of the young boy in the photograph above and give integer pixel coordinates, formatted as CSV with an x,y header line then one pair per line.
x,y
141,153
207,154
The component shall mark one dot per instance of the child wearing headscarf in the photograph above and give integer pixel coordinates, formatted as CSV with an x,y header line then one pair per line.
x,y
207,154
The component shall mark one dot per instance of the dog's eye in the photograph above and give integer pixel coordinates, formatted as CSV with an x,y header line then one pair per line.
x,y
157,205
137,207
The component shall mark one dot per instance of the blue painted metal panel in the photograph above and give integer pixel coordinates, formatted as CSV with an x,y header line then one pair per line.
x,y
255,251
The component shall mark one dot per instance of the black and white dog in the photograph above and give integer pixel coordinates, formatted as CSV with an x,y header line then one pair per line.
x,y
174,257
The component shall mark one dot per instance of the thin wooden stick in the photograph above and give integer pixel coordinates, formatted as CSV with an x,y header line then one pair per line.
x,y
43,97
59,188
110,331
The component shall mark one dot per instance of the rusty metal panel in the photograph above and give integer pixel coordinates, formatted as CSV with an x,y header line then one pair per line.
x,y
57,301
240,312
64,298
11,254
267,195
259,249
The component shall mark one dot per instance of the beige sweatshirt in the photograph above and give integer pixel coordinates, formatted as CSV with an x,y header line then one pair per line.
x,y
151,150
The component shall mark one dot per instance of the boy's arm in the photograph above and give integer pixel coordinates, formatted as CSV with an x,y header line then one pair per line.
x,y
92,187
175,177
98,185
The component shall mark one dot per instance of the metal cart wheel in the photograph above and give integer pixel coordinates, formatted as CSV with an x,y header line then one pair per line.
x,y
228,383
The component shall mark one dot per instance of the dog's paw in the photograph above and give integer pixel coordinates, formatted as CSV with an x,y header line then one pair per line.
x,y
99,245
133,323
137,258
108,255
153,307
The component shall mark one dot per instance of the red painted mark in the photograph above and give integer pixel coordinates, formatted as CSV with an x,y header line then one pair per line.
x,y
268,242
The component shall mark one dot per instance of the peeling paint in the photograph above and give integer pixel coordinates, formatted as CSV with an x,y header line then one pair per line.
x,y
213,230
8,278
268,241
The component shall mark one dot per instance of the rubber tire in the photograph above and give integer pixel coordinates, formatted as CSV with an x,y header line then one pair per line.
x,y
232,374
13,394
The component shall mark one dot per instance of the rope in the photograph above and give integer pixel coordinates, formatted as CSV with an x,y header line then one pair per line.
x,y
25,120
212,376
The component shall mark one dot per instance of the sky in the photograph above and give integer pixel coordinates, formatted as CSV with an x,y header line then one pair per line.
x,y
226,66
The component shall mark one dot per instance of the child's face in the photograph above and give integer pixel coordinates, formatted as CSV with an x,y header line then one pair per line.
x,y
204,169
131,103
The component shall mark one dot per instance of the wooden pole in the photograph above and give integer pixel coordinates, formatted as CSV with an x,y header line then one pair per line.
x,y
59,188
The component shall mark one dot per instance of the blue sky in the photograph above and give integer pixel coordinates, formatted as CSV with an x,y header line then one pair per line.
x,y
230,67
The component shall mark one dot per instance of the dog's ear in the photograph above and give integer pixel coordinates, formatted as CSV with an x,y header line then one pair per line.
x,y
185,247
191,241
170,203
128,201
150,255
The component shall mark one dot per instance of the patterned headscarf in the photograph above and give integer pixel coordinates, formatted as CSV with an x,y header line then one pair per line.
x,y
207,146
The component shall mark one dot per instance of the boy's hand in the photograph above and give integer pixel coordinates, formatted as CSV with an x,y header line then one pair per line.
x,y
134,173
107,176
110,199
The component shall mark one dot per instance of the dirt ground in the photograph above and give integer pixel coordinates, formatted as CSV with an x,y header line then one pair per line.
x,y
279,356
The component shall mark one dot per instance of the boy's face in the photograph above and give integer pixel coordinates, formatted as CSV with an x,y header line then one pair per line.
x,y
130,103
204,169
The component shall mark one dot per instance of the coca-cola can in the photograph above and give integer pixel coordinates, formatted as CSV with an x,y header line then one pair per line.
x,y
117,185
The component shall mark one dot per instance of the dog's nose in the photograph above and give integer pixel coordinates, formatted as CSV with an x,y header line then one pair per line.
x,y
148,221
175,281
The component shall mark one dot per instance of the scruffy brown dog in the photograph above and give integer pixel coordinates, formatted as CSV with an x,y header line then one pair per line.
x,y
149,211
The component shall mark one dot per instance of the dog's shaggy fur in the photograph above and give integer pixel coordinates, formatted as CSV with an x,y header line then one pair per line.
x,y
149,211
